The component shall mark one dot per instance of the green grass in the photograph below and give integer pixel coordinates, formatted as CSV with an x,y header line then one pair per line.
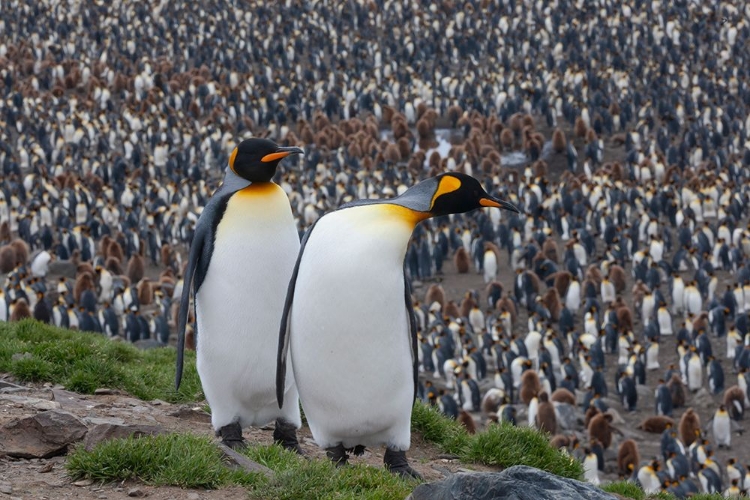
x,y
170,459
84,362
501,444
631,490
193,461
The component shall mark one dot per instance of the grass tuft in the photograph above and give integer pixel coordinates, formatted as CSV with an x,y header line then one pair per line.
x,y
191,461
182,460
501,444
625,488
84,362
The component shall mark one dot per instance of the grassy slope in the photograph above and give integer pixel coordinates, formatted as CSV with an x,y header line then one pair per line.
x,y
83,362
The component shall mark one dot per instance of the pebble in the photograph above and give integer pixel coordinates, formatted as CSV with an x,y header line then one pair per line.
x,y
136,492
6,488
193,496
84,482
103,391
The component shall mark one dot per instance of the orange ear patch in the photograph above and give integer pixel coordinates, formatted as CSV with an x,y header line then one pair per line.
x,y
448,184
231,159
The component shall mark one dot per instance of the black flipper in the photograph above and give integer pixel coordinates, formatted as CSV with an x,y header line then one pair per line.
x,y
201,249
284,328
412,331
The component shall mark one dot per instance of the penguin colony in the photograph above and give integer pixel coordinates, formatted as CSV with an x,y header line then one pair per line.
x,y
115,129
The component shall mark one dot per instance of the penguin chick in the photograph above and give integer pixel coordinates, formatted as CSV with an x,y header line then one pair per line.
x,y
546,420
628,458
689,427
467,421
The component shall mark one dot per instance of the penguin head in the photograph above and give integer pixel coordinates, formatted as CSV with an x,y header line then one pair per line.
x,y
451,193
256,159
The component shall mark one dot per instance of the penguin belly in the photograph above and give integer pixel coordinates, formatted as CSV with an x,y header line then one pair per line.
x,y
239,307
350,346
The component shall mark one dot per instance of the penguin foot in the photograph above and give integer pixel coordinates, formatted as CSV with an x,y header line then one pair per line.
x,y
338,455
285,434
359,450
231,435
396,463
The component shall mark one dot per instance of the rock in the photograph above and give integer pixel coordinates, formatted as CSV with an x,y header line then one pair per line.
x,y
4,384
243,462
136,492
44,435
703,399
194,414
193,496
84,482
516,483
34,403
103,391
71,401
567,417
6,489
105,432
100,421
19,356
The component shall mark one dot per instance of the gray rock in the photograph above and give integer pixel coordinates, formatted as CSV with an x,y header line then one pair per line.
x,y
33,403
193,496
703,399
105,432
44,435
136,492
4,384
194,414
19,356
6,489
516,483
71,401
567,417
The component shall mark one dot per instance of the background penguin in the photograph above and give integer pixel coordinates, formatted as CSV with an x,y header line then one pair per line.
x,y
722,427
663,400
241,258
590,466
628,458
689,427
364,241
545,415
715,376
734,402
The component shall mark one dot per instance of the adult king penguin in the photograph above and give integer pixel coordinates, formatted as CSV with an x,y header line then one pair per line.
x,y
353,353
241,258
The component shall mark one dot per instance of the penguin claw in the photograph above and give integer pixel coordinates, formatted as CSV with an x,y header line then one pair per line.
x,y
285,434
396,463
231,435
337,455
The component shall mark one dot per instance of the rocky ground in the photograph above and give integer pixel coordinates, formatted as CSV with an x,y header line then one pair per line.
x,y
65,416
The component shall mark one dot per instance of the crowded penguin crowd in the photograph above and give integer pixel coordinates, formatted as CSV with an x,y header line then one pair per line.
x,y
612,312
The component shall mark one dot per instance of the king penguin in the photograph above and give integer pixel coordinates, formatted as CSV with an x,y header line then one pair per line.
x,y
353,382
241,257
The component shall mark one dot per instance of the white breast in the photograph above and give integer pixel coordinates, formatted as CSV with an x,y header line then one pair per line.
x,y
349,337
239,307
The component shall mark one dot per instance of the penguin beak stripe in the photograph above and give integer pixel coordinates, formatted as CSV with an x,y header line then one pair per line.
x,y
495,203
447,185
231,159
281,153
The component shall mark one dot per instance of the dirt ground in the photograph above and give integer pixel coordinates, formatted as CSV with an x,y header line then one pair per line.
x,y
47,478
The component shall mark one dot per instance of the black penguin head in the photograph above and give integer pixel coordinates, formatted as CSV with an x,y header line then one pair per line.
x,y
256,159
457,193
